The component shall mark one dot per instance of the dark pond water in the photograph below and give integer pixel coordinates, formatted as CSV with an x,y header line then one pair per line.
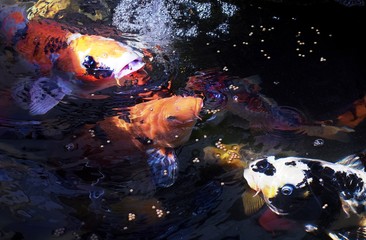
x,y
58,182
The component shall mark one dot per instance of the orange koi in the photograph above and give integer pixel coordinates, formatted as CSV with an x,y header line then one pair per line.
x,y
162,123
91,62
157,127
151,131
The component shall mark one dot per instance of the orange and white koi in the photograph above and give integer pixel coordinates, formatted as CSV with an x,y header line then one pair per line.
x,y
91,62
324,197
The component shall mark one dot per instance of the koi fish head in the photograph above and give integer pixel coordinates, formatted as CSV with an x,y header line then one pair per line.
x,y
293,186
181,111
98,59
166,122
170,120
175,120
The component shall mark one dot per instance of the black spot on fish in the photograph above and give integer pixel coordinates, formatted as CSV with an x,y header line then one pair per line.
x,y
303,182
36,48
360,208
314,166
362,159
54,45
360,197
265,167
94,68
349,184
89,62
323,194
101,73
346,195
328,172
292,163
20,34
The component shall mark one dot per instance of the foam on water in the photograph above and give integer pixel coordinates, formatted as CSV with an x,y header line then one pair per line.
x,y
162,21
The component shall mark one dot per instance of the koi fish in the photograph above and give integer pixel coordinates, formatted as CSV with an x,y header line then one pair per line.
x,y
69,63
242,97
325,197
159,126
148,130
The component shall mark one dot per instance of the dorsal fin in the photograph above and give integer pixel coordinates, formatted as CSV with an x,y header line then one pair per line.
x,y
356,161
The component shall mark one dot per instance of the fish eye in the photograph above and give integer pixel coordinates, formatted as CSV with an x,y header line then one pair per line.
x,y
287,189
171,118
89,62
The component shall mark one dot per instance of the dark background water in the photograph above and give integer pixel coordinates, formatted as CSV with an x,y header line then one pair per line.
x,y
48,189
305,82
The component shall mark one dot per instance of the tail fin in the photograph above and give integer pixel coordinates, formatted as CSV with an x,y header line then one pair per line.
x,y
13,23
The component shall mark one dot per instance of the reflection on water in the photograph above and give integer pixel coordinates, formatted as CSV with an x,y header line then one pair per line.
x,y
161,22
69,174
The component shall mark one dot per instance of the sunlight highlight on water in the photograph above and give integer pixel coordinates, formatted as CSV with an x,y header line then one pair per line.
x,y
160,22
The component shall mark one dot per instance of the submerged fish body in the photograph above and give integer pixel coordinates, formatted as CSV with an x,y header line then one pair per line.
x,y
156,127
238,95
351,3
242,97
87,63
327,196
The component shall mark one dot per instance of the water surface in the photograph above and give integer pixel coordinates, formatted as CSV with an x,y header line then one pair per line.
x,y
308,57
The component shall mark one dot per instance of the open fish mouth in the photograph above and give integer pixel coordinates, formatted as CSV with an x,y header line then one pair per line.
x,y
129,68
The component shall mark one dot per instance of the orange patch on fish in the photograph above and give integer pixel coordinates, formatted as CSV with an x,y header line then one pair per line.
x,y
70,63
355,116
272,222
166,122
47,43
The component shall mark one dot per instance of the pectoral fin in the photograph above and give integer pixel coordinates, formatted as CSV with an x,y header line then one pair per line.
x,y
252,202
38,96
20,93
163,165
